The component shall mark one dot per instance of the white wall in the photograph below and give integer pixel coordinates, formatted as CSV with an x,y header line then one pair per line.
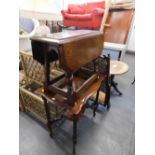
x,y
26,4
45,9
46,6
66,2
131,39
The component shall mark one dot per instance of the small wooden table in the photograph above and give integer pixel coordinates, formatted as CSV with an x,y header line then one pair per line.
x,y
117,68
74,50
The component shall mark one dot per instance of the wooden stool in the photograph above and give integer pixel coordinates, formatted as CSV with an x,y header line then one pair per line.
x,y
117,68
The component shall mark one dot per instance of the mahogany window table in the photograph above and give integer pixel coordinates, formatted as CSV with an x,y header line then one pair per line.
x,y
74,50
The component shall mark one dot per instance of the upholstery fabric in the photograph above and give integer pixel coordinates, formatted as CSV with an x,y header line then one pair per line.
x,y
87,15
98,11
73,16
76,9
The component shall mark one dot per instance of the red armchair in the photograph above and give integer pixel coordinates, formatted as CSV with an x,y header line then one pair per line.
x,y
86,15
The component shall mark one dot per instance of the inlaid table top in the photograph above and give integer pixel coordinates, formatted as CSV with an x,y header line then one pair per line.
x,y
118,67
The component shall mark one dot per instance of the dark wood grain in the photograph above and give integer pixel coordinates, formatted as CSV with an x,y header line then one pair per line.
x,y
73,50
76,54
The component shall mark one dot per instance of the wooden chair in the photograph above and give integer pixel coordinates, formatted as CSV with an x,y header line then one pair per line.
x,y
104,93
71,90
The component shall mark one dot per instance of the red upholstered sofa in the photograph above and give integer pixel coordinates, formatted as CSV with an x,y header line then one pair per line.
x,y
87,15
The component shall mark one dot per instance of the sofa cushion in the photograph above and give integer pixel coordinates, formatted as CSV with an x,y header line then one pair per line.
x,y
98,11
78,16
76,8
92,5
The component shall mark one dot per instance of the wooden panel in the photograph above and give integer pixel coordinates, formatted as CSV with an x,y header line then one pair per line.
x,y
75,54
73,48
120,21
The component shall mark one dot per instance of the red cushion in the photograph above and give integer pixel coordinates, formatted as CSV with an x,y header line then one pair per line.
x,y
78,16
76,8
98,11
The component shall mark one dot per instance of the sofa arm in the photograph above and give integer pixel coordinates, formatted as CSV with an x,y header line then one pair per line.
x,y
98,11
63,12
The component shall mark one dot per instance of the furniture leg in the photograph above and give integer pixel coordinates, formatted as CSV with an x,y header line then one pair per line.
x,y
47,79
46,72
108,83
49,125
96,103
114,85
74,136
133,81
108,88
108,106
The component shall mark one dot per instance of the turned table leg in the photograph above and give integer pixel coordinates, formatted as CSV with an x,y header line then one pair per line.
x,y
74,136
46,82
49,125
96,103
